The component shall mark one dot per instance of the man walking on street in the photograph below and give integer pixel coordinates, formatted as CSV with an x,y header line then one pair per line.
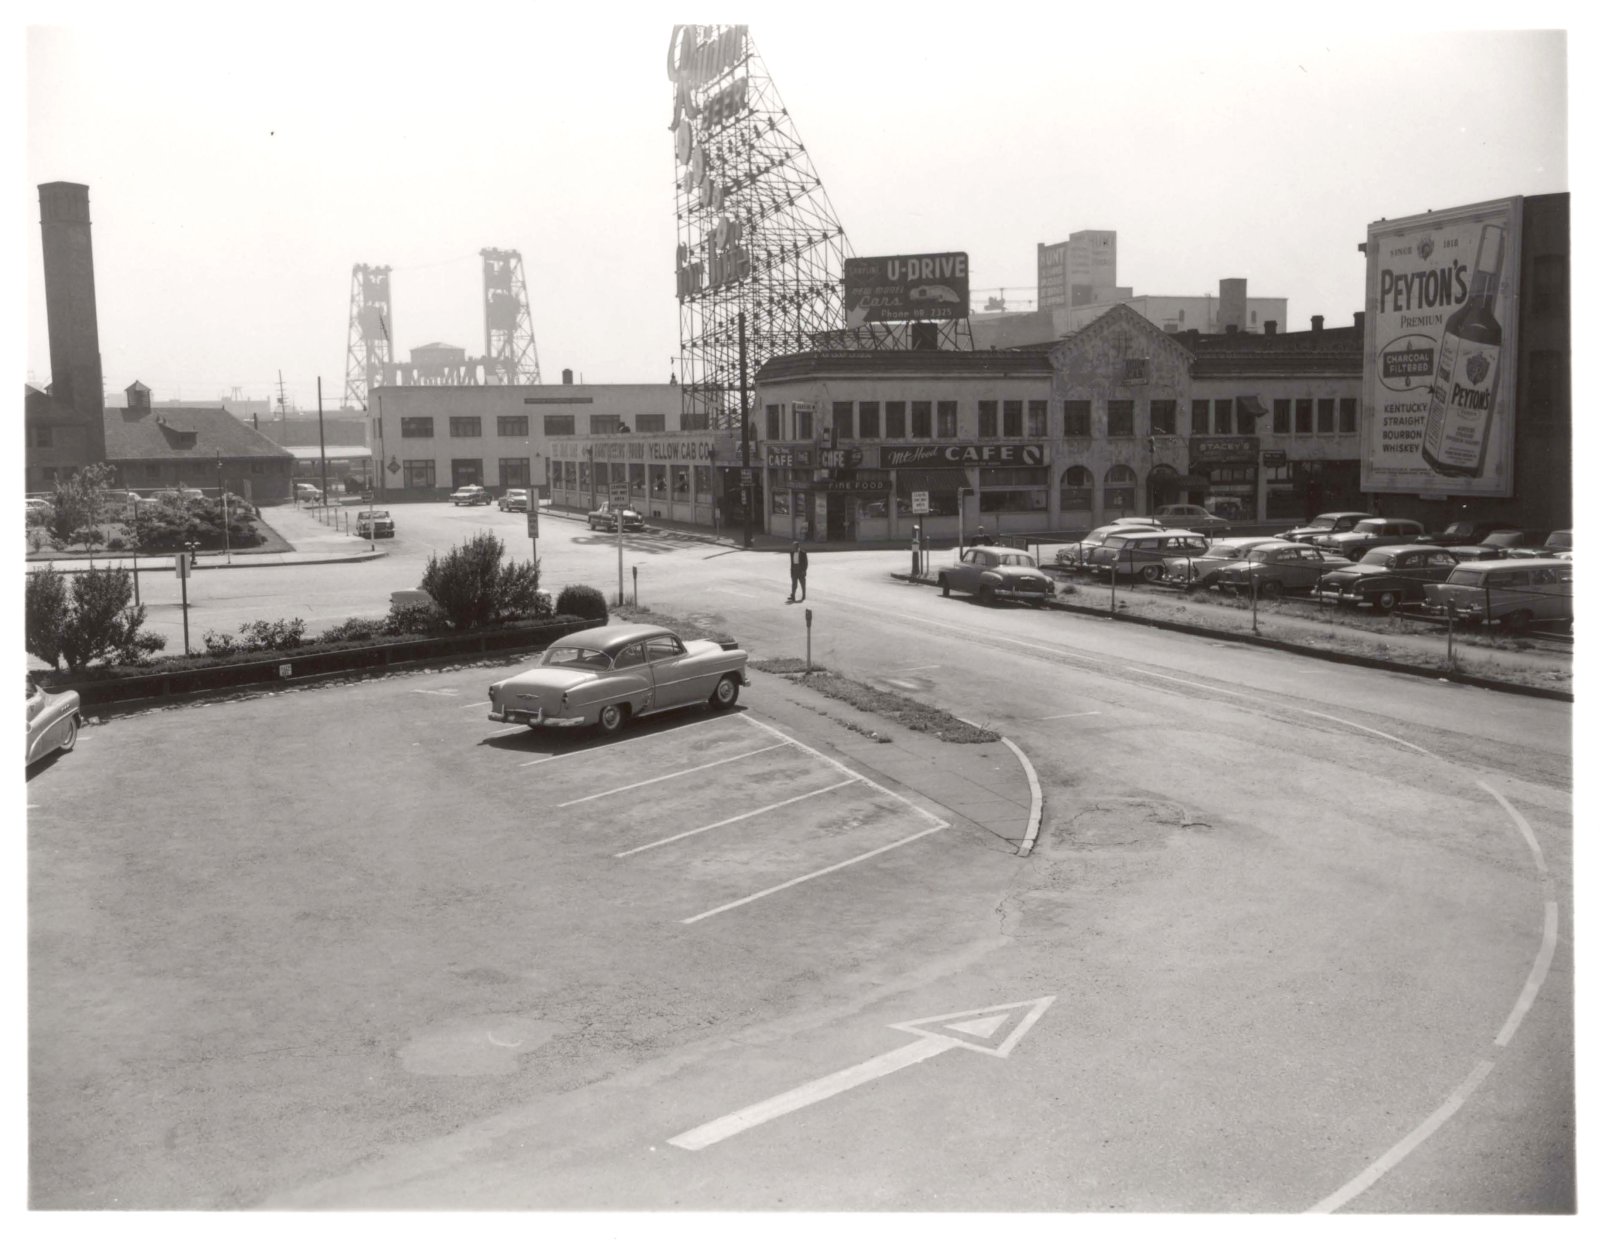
x,y
797,572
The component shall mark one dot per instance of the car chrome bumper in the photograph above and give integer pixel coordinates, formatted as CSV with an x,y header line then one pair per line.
x,y
513,717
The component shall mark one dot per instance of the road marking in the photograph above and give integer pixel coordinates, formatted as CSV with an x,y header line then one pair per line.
x,y
800,880
1064,716
415,691
1547,947
1035,800
829,760
501,733
481,704
930,1044
916,668
676,837
682,772
1409,1144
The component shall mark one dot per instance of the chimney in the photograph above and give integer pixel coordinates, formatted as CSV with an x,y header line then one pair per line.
x,y
75,379
1361,324
1272,327
1316,323
566,375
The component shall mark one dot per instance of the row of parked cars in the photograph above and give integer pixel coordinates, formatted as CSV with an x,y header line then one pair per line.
x,y
1473,570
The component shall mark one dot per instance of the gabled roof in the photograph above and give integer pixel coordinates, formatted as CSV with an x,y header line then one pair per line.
x,y
197,435
1124,319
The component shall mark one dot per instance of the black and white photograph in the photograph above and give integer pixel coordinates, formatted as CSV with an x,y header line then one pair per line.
x,y
1032,689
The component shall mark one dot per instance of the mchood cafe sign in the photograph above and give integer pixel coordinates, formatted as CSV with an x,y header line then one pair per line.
x,y
890,456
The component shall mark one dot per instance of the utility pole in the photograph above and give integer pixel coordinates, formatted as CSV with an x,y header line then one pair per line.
x,y
744,432
322,447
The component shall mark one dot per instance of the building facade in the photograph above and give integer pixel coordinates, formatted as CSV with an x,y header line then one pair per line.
x,y
430,440
688,477
1079,271
151,449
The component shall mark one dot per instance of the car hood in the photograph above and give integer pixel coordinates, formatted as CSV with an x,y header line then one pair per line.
x,y
1358,571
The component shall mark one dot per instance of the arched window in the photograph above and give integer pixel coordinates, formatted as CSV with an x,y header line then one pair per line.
x,y
1077,489
1121,484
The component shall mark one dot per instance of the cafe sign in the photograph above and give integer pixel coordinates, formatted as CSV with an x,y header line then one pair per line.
x,y
961,454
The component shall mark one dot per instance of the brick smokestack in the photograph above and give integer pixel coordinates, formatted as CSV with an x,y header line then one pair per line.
x,y
75,381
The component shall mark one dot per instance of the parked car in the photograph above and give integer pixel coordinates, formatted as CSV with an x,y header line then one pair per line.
x,y
374,524
1385,577
52,721
1514,593
1498,545
605,518
1371,533
39,509
1192,518
1467,531
515,500
993,573
1325,524
185,495
607,675
1143,554
307,492
472,494
1200,572
1278,569
1073,556
1559,544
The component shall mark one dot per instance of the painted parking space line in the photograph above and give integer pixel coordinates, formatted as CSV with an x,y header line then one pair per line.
x,y
744,815
415,690
916,668
1065,716
481,704
501,733
605,746
800,880
682,772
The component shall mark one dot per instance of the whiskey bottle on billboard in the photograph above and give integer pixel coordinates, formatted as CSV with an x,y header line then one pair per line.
x,y
1455,440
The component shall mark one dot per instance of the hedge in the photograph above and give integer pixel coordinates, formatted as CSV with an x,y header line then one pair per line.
x,y
193,674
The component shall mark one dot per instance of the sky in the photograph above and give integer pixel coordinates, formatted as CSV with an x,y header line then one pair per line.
x,y
238,170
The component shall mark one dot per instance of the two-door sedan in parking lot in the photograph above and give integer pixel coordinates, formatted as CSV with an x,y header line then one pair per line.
x,y
607,675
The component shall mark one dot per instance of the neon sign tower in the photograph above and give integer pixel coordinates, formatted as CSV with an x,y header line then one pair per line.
x,y
756,233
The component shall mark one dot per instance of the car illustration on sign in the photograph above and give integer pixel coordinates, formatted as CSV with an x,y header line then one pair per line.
x,y
607,675
934,293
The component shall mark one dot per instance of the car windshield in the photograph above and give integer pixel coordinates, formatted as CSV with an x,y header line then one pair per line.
x,y
1468,575
1372,526
584,657
1322,522
1559,539
373,513
1378,557
1502,539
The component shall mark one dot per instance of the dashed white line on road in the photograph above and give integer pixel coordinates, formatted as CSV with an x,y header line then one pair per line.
x,y
682,772
419,691
745,815
800,880
916,668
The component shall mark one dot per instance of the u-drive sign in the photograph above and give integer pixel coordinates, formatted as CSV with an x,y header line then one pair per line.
x,y
893,288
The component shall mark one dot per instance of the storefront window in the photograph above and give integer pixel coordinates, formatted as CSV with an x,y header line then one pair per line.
x,y
658,483
940,485
680,483
583,476
780,504
1077,488
1014,489
636,478
1121,483
702,484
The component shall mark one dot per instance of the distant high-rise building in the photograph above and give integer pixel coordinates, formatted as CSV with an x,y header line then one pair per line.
x,y
1079,271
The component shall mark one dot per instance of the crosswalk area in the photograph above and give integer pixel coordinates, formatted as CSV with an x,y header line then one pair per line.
x,y
710,813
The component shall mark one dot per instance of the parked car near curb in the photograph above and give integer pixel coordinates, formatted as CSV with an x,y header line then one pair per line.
x,y
374,524
1559,544
1371,533
515,500
1074,556
1192,518
1467,531
1514,593
472,494
1330,523
52,721
608,675
1143,554
1199,572
1386,577
993,573
1498,545
605,518
1276,570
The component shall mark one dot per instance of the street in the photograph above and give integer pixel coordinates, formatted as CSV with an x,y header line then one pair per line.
x,y
1294,936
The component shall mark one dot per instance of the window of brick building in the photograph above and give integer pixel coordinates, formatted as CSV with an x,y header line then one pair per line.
x,y
419,474
560,425
1119,418
988,420
894,420
870,429
416,429
1222,409
774,422
466,427
1011,419
844,420
1280,416
1303,407
511,425
922,420
1200,417
1348,408
1038,419
1075,418
1164,417
947,420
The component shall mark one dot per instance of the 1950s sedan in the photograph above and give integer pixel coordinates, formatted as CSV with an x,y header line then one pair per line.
x,y
993,573
607,675
52,721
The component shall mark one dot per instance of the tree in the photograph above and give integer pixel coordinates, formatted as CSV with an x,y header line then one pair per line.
x,y
472,587
89,622
79,505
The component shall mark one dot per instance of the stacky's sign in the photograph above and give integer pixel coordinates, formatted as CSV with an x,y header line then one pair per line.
x,y
894,288
1441,350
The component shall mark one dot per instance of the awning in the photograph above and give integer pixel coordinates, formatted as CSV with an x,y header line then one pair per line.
x,y
1251,406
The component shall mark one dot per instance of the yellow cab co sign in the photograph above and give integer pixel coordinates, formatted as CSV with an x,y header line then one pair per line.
x,y
1440,351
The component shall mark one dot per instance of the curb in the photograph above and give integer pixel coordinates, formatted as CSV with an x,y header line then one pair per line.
x,y
1296,649
1036,796
165,562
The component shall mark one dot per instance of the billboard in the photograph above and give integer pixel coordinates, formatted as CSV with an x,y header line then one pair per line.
x,y
1439,376
895,288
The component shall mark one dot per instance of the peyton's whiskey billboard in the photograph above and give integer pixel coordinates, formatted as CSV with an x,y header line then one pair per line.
x,y
1441,350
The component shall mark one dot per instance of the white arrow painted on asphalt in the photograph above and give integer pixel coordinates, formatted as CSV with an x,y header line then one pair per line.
x,y
994,1030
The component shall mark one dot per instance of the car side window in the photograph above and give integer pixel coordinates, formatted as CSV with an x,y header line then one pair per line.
x,y
633,654
665,647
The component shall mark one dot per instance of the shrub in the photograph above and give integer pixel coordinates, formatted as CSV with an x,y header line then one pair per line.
x,y
88,622
116,544
581,600
472,586
219,644
353,629
169,522
275,636
414,619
